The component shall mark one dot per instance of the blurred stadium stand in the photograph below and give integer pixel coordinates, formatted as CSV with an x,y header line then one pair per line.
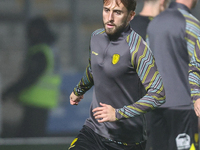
x,y
73,21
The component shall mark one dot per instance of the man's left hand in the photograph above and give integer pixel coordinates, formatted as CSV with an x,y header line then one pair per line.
x,y
104,113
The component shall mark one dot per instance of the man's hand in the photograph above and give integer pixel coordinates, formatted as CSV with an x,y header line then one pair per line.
x,y
197,107
74,100
104,113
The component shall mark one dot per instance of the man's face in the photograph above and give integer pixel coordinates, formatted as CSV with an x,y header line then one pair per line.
x,y
115,17
194,3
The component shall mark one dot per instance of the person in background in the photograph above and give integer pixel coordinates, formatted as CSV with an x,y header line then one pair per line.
x,y
172,36
37,90
194,78
151,8
119,61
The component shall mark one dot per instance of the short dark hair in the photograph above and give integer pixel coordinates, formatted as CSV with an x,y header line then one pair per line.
x,y
129,4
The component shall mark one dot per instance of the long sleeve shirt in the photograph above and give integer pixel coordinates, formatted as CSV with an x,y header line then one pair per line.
x,y
194,71
172,36
116,69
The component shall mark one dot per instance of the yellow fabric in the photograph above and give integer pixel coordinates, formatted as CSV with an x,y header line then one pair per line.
x,y
192,147
45,92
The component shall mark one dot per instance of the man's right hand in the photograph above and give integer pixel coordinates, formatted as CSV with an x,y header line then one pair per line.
x,y
197,107
74,99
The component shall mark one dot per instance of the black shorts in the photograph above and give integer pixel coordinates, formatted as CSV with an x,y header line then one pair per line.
x,y
171,129
87,139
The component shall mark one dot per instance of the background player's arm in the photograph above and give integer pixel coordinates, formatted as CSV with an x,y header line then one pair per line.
x,y
34,68
194,77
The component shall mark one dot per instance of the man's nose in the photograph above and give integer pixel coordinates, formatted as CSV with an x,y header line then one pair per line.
x,y
111,17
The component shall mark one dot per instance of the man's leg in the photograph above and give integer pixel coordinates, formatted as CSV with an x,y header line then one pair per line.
x,y
158,131
183,129
87,140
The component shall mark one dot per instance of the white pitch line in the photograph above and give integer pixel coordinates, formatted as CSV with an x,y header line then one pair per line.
x,y
36,141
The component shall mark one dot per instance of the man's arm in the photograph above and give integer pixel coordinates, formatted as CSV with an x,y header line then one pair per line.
x,y
194,77
83,86
85,83
144,63
34,68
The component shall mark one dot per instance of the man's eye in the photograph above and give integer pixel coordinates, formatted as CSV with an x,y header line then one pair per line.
x,y
118,12
106,10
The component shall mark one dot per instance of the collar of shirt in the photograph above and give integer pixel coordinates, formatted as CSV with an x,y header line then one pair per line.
x,y
179,5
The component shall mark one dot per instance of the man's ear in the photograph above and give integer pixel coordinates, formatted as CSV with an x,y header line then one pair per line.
x,y
163,5
132,15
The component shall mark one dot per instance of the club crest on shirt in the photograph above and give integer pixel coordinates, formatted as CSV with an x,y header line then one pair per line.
x,y
115,59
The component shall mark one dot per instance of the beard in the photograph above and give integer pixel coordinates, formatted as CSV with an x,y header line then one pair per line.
x,y
116,30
